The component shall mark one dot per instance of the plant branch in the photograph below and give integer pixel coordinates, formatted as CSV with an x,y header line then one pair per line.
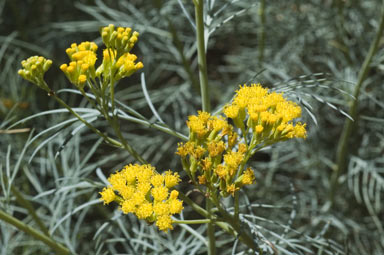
x,y
202,60
342,148
59,248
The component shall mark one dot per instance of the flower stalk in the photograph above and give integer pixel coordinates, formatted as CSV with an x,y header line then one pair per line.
x,y
349,125
201,52
59,248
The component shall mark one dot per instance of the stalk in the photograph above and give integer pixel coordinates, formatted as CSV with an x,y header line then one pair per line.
x,y
202,63
202,60
59,248
27,205
342,148
106,138
261,12
202,221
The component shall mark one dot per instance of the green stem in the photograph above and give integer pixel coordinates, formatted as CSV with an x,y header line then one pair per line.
x,y
210,229
114,122
27,205
114,142
342,148
202,60
59,248
261,12
228,226
236,205
156,126
189,222
106,138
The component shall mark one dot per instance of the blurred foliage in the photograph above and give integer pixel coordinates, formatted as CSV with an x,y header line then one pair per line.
x,y
310,50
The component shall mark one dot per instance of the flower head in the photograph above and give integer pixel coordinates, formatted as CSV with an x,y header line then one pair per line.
x,y
82,66
140,190
34,69
120,38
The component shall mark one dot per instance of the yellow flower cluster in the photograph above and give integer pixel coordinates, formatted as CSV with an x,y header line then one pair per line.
x,y
140,190
117,61
215,154
120,38
218,154
34,69
268,114
82,65
125,66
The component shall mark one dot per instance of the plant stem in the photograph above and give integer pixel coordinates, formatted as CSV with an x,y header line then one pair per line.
x,y
59,248
106,138
236,205
202,60
202,221
210,229
342,148
27,205
261,12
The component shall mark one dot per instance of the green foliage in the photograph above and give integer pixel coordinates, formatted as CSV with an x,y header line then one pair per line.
x,y
310,50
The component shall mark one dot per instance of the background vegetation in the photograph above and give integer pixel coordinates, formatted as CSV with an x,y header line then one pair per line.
x,y
322,195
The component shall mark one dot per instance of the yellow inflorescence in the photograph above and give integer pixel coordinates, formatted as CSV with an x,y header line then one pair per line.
x,y
125,66
215,154
140,190
120,38
117,62
269,114
34,69
82,66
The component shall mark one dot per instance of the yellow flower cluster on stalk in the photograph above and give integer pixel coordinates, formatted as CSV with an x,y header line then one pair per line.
x,y
215,155
34,69
117,62
140,190
82,65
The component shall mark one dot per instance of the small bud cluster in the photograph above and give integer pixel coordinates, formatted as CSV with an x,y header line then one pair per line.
x,y
141,191
121,38
125,66
34,69
117,62
82,65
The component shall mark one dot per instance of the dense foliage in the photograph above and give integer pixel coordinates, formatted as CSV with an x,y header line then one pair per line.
x,y
319,195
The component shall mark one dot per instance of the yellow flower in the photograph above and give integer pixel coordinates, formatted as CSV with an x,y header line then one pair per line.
x,y
34,69
159,193
171,179
231,111
206,164
248,177
157,180
164,223
221,171
231,189
161,208
202,179
144,210
144,192
121,38
107,195
175,206
233,159
216,148
128,206
82,65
